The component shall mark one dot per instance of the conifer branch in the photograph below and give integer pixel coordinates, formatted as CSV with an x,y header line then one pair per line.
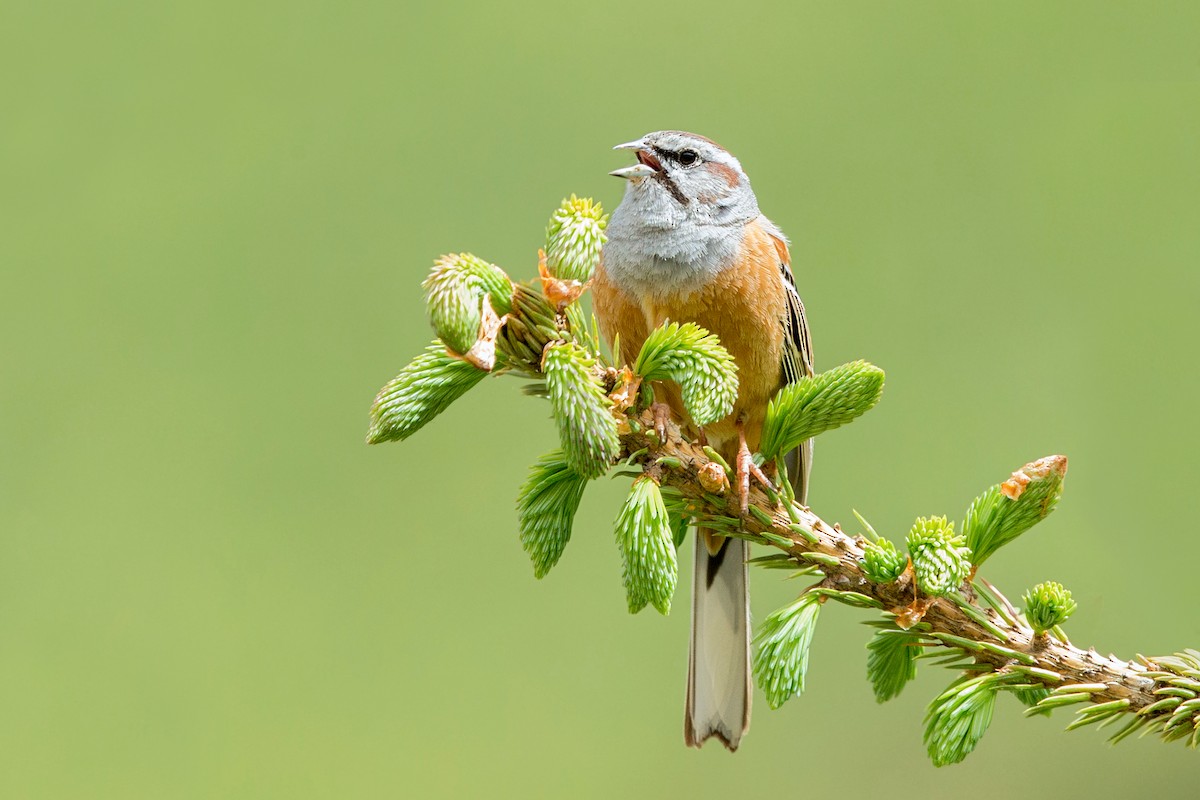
x,y
934,604
1144,690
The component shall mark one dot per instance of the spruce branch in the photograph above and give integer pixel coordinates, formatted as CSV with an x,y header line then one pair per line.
x,y
935,608
1116,686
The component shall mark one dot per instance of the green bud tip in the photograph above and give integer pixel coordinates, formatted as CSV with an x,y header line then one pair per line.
x,y
1048,468
646,540
454,294
1007,510
546,509
882,562
586,426
695,359
940,558
574,239
1047,605
422,390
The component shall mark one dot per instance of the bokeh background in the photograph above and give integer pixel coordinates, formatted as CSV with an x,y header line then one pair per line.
x,y
215,218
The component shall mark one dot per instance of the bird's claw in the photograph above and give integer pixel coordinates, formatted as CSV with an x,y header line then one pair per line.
x,y
662,416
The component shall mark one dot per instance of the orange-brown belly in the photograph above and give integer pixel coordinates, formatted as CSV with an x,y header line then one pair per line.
x,y
744,305
753,338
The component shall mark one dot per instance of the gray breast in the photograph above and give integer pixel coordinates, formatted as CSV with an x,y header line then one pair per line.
x,y
657,247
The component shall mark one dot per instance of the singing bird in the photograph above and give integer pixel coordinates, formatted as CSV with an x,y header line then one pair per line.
x,y
688,244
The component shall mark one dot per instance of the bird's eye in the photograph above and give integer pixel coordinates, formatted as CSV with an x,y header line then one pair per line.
x,y
688,157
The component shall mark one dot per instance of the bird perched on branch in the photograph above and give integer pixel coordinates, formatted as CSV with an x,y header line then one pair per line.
x,y
688,244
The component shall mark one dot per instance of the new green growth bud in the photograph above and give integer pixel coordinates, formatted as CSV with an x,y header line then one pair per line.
x,y
1004,512
1047,605
892,661
781,649
882,562
546,509
940,560
530,326
574,239
695,359
422,390
959,717
454,294
644,534
586,426
821,403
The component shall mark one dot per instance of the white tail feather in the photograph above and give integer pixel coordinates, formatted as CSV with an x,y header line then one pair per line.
x,y
718,697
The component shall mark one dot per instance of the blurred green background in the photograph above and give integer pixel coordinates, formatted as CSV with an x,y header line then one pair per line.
x,y
215,220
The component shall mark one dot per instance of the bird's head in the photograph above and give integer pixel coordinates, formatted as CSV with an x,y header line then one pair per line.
x,y
688,176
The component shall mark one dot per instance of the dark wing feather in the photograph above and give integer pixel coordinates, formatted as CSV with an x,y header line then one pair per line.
x,y
797,364
797,354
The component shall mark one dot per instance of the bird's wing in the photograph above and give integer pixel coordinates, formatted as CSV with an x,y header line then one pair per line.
x,y
797,356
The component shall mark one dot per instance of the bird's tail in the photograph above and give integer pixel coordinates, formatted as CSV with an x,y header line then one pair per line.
x,y
718,693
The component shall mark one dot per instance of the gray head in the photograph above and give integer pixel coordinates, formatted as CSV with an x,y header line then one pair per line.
x,y
686,203
684,176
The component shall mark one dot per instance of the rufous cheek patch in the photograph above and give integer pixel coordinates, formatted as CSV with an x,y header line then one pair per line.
x,y
729,174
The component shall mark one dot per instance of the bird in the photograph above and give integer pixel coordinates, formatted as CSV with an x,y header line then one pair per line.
x,y
687,243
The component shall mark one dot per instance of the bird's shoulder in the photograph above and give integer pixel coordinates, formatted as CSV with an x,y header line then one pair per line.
x,y
768,236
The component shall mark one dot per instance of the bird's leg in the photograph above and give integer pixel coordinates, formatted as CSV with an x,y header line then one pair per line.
x,y
746,468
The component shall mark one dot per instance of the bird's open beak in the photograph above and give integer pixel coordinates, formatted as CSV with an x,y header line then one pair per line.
x,y
647,164
636,172
636,144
